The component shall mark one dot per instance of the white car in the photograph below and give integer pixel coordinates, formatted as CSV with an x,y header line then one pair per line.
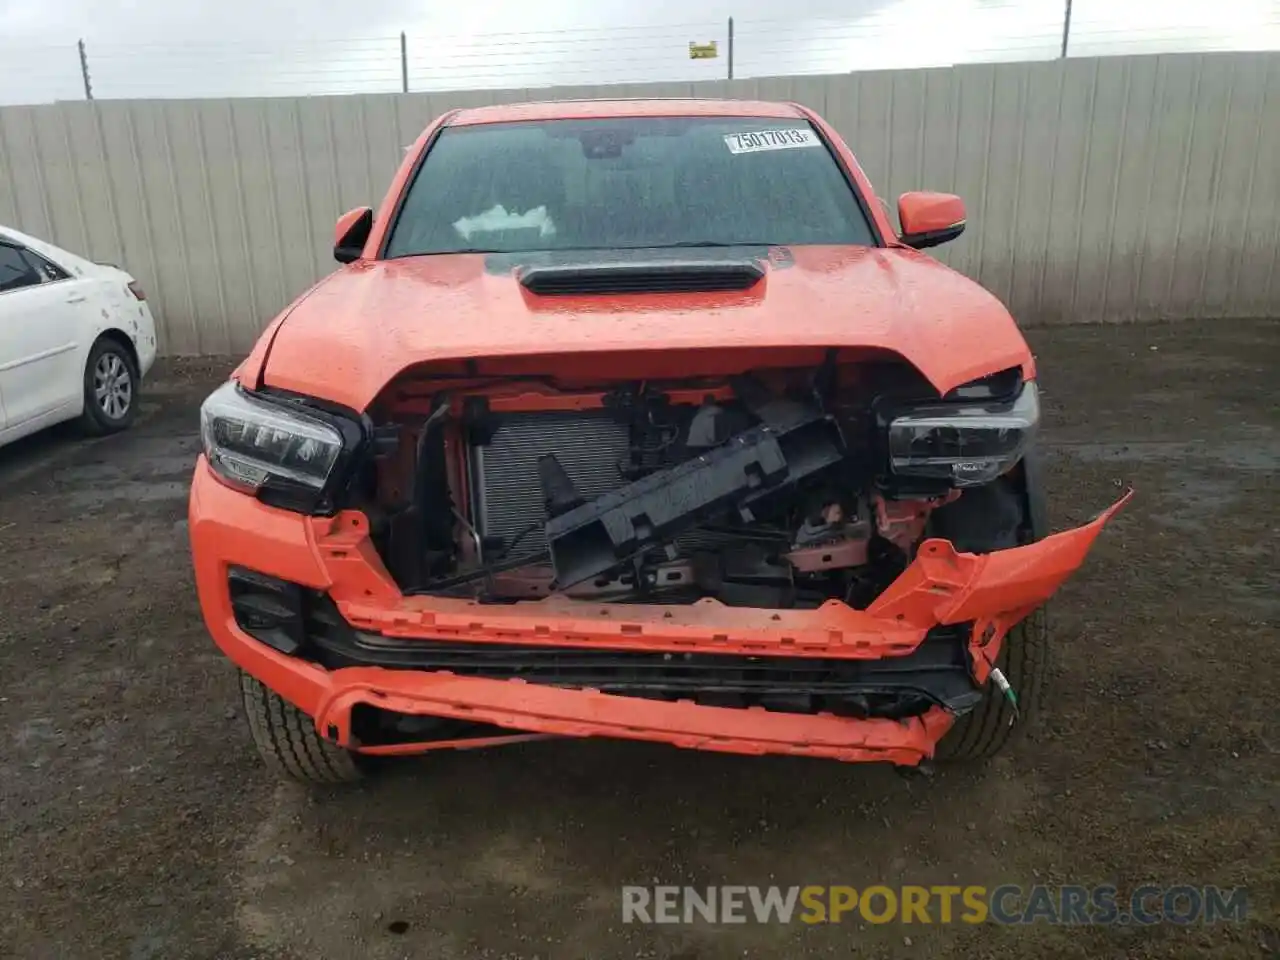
x,y
76,339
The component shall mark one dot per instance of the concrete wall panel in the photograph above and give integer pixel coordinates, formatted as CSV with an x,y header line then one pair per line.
x,y
1098,190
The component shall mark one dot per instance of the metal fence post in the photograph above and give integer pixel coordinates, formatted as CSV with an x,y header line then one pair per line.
x,y
84,71
404,63
1066,28
731,48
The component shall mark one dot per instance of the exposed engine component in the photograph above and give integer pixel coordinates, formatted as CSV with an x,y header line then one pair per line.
x,y
793,443
832,541
506,495
757,492
902,522
666,581
837,555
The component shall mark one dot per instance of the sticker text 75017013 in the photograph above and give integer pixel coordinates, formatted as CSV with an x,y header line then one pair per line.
x,y
758,140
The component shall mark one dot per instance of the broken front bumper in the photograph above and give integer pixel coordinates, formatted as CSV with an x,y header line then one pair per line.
x,y
335,556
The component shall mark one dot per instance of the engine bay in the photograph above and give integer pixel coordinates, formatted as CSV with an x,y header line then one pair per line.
x,y
764,489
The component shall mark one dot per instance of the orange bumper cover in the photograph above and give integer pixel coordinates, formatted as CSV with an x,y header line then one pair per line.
x,y
335,555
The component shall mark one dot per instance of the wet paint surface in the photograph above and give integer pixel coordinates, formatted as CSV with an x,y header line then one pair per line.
x,y
354,332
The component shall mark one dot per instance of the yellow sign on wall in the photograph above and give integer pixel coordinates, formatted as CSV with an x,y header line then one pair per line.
x,y
703,51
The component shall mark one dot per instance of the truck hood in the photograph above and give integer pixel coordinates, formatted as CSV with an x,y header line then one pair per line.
x,y
359,328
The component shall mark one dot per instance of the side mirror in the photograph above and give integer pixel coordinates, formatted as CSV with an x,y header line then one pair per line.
x,y
929,219
351,233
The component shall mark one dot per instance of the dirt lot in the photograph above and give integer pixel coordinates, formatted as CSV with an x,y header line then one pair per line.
x,y
136,820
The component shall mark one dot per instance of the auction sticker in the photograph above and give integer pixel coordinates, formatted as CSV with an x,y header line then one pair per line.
x,y
758,140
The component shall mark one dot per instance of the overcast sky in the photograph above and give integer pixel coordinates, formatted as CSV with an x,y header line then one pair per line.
x,y
151,48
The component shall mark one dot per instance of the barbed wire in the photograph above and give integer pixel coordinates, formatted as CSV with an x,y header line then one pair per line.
x,y
978,32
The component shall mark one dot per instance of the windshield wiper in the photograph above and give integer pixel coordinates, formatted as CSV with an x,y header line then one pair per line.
x,y
710,243
678,244
442,253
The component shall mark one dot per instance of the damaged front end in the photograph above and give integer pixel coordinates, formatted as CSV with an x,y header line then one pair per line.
x,y
819,557
782,488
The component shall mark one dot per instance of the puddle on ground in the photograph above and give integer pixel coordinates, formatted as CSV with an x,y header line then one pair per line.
x,y
1195,500
1259,453
165,466
135,491
1198,486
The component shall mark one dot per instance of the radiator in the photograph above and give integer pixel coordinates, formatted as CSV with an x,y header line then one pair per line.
x,y
506,494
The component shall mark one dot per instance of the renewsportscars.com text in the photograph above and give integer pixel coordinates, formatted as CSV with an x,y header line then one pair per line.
x,y
1007,904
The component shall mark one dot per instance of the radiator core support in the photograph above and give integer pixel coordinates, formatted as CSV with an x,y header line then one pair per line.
x,y
598,535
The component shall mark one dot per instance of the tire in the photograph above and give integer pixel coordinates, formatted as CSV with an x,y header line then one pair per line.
x,y
287,739
990,726
111,384
999,516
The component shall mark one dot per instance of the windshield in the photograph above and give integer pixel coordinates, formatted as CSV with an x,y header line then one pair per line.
x,y
627,183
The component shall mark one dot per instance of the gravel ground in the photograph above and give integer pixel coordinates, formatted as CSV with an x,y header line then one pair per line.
x,y
136,820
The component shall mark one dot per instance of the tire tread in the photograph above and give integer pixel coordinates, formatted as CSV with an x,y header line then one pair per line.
x,y
984,732
287,739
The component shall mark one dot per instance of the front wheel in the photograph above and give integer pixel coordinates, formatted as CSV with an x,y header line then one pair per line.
x,y
1001,515
288,741
985,730
110,388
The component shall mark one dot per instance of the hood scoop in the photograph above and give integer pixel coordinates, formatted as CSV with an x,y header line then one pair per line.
x,y
641,276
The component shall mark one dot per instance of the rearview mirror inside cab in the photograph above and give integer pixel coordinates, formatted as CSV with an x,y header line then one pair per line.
x,y
929,219
351,233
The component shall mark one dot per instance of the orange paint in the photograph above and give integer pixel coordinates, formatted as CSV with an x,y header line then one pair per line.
x,y
335,555
374,323
922,212
435,309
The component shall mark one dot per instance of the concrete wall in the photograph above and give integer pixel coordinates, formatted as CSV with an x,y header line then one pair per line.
x,y
1099,190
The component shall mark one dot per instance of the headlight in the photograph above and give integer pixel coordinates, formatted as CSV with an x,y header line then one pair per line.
x,y
966,443
252,443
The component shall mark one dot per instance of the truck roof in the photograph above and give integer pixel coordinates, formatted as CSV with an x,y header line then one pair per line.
x,y
592,109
